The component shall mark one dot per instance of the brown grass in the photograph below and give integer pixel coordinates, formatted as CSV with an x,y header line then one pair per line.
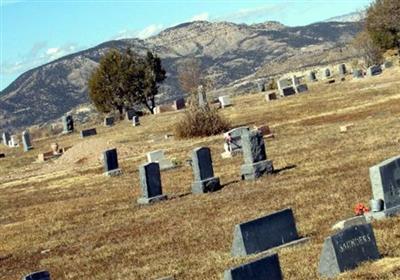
x,y
78,224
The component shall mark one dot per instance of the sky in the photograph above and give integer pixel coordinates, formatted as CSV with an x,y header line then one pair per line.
x,y
34,32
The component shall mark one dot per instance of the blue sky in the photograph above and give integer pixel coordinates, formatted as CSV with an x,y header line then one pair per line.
x,y
34,32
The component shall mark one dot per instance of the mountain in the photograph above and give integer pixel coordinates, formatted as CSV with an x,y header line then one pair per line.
x,y
228,52
351,17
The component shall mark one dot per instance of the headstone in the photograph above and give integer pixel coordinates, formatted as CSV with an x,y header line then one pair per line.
x,y
204,179
327,73
347,249
331,81
109,121
233,140
269,232
255,157
40,275
13,141
342,69
110,160
295,81
88,132
387,64
2,155
179,104
312,77
201,92
26,141
287,91
265,268
357,73
68,124
261,86
374,70
159,157
135,121
385,182
301,88
269,96
129,114
150,182
225,101
353,221
6,138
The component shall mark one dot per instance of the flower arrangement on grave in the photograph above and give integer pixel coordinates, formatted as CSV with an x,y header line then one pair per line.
x,y
360,209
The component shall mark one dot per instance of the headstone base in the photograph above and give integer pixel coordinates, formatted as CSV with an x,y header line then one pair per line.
x,y
204,186
148,200
256,170
393,211
115,172
66,132
28,149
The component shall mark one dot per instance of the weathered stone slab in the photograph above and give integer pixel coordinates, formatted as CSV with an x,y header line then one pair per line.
x,y
150,183
109,121
264,233
39,275
347,249
68,124
204,180
26,141
110,160
266,268
88,132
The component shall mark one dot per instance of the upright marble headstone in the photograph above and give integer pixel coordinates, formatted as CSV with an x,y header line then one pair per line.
x,y
39,275
201,92
150,183
265,268
204,179
26,141
347,249
135,121
88,132
342,69
271,231
109,121
256,163
225,101
68,124
6,138
110,160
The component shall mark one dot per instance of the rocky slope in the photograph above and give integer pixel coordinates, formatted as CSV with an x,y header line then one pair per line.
x,y
228,52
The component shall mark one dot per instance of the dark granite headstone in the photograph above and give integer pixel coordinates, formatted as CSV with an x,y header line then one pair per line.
x,y
301,88
6,138
129,114
40,275
150,183
312,77
68,124
109,121
287,91
264,233
26,141
204,180
342,69
374,70
179,104
347,249
88,132
2,155
266,268
255,157
110,159
327,72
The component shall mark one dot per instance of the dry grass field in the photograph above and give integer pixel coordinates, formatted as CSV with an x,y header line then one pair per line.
x,y
66,217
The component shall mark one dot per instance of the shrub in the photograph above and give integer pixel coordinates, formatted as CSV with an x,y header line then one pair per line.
x,y
200,121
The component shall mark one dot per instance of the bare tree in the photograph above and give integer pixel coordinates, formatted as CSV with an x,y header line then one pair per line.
x,y
368,50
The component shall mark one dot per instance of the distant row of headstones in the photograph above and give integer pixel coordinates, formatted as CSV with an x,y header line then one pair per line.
x,y
11,140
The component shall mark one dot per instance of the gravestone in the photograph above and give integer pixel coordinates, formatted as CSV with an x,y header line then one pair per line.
x,y
179,104
261,86
110,160
159,157
6,138
225,101
269,96
150,183
265,268
39,275
287,91
385,182
374,70
347,249
233,141
129,114
301,88
387,64
13,141
2,155
342,69
109,121
327,73
295,81
357,73
26,141
271,231
255,157
135,121
68,124
204,180
312,77
202,96
88,132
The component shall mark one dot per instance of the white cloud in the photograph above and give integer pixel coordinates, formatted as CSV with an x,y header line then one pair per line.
x,y
149,31
52,51
252,14
202,16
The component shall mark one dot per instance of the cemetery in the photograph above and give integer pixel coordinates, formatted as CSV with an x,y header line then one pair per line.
x,y
274,196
